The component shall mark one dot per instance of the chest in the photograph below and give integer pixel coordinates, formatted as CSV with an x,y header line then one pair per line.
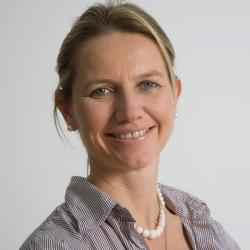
x,y
174,238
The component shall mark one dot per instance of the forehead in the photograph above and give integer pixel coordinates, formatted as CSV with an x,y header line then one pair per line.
x,y
117,53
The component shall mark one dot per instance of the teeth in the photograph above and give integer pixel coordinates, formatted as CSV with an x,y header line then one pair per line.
x,y
132,135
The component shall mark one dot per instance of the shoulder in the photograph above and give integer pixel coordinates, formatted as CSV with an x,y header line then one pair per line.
x,y
58,231
196,212
43,241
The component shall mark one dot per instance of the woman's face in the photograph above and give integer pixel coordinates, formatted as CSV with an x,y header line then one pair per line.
x,y
122,104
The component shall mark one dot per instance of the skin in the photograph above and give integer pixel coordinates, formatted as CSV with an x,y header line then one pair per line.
x,y
121,84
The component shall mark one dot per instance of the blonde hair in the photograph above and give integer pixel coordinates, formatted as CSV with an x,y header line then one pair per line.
x,y
101,19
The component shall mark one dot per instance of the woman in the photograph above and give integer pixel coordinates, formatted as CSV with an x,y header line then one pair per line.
x,y
118,89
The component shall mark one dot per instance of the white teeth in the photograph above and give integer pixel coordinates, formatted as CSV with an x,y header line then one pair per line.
x,y
132,135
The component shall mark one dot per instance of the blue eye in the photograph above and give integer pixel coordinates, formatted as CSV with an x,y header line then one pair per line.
x,y
101,92
148,85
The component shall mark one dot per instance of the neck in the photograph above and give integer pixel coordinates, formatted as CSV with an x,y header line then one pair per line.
x,y
135,191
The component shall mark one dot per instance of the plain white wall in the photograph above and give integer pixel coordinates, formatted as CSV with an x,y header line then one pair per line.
x,y
208,154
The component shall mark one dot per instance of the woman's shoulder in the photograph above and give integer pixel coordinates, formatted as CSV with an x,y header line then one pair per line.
x,y
195,212
54,232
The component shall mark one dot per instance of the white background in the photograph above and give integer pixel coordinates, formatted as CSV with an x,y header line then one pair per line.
x,y
208,154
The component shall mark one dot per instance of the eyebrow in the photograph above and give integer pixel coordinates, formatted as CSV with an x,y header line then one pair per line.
x,y
150,73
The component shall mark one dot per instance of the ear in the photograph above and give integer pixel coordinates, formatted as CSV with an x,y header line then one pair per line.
x,y
178,88
65,107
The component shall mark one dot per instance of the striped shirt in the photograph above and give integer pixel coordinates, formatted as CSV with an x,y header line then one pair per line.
x,y
90,219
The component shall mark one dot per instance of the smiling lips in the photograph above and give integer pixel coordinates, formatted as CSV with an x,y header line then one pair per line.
x,y
131,135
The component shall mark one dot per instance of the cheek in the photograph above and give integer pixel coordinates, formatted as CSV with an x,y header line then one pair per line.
x,y
164,108
91,118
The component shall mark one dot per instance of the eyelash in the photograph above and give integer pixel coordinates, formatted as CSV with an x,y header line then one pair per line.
x,y
153,85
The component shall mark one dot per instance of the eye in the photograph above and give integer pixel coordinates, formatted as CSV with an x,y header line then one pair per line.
x,y
148,85
100,92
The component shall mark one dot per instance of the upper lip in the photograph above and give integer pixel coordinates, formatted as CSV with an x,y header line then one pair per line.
x,y
127,130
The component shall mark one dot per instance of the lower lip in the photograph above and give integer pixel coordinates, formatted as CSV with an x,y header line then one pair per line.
x,y
132,140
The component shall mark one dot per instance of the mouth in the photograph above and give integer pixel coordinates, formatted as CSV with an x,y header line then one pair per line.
x,y
132,135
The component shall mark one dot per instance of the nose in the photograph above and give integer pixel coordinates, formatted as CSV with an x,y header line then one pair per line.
x,y
128,108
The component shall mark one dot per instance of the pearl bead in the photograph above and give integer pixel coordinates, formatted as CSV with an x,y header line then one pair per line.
x,y
145,233
153,235
139,229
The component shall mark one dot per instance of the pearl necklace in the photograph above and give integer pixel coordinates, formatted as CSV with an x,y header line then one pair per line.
x,y
154,233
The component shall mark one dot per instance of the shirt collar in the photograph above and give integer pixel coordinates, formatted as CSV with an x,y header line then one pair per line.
x,y
184,204
89,205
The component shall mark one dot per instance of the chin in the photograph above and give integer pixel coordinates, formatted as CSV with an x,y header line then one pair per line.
x,y
137,163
